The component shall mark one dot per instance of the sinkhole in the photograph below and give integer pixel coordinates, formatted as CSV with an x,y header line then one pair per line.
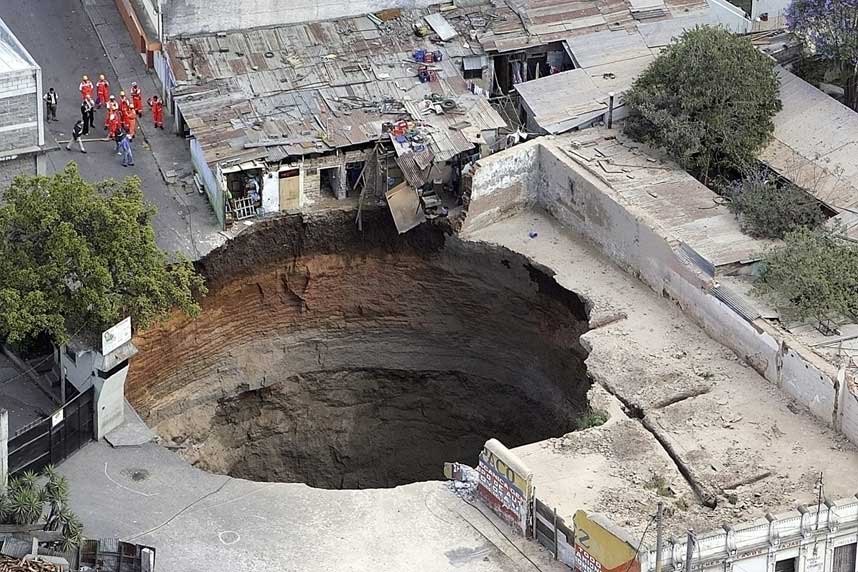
x,y
346,359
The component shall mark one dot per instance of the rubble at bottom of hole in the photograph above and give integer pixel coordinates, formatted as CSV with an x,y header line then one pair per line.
x,y
463,479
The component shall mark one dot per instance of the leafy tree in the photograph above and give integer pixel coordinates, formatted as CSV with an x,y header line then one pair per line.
x,y
813,275
708,100
768,211
830,28
80,257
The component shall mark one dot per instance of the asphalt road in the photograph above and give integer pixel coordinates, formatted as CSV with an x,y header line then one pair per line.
x,y
61,38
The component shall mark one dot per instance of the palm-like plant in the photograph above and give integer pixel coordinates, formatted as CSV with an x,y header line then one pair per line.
x,y
56,493
26,505
72,529
5,510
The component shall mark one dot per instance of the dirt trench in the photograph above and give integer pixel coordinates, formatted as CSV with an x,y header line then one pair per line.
x,y
353,360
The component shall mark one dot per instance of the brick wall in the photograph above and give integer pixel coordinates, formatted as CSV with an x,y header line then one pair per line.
x,y
18,83
311,191
23,165
19,103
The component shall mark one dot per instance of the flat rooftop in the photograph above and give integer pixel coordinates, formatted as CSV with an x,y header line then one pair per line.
x,y
670,199
690,403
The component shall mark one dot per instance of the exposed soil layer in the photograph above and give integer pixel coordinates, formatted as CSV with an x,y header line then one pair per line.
x,y
355,360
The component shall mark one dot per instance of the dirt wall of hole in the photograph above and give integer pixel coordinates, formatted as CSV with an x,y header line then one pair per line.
x,y
321,350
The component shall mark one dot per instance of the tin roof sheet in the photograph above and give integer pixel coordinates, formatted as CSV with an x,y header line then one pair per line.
x,y
310,88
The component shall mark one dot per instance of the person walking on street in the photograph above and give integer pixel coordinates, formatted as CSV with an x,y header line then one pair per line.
x,y
125,148
77,134
87,115
50,105
102,92
137,99
85,88
118,138
157,107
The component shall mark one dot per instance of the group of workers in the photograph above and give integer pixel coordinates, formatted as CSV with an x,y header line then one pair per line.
x,y
120,119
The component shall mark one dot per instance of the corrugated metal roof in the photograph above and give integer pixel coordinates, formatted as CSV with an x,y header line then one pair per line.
x,y
311,88
815,145
558,100
526,23
601,48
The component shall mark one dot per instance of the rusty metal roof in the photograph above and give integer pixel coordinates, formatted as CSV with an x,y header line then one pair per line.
x,y
272,93
518,24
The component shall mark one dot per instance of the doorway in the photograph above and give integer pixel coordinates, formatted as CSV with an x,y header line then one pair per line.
x,y
290,189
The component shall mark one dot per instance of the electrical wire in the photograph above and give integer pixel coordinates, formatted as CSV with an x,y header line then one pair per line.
x,y
640,544
508,539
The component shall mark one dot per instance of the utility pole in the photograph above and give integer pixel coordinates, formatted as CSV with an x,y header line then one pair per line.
x,y
658,537
689,550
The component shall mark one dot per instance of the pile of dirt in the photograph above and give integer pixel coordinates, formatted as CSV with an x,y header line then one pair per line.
x,y
354,360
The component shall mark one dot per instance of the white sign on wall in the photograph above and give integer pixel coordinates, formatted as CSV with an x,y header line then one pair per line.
x,y
116,336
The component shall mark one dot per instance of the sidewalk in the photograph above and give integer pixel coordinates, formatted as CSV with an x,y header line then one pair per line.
x,y
170,151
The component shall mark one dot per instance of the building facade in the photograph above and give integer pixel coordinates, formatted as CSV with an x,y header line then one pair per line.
x,y
22,131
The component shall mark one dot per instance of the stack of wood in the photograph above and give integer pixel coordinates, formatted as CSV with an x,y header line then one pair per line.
x,y
9,564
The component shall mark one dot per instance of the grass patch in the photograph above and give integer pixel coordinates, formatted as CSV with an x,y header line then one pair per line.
x,y
593,418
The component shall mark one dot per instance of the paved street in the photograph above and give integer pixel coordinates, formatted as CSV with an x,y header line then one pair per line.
x,y
200,521
60,36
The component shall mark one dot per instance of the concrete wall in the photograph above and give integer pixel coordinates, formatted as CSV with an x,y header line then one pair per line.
x,y
4,450
185,17
214,191
773,8
84,371
15,165
730,16
502,185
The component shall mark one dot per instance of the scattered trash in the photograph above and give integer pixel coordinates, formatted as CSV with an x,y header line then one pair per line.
x,y
532,234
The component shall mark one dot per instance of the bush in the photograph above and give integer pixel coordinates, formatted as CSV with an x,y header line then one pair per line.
x,y
766,211
24,504
814,274
708,100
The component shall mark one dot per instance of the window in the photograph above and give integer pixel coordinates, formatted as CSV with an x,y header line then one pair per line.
x,y
787,565
844,558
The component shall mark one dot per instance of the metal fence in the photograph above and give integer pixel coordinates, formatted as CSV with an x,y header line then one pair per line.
x,y
53,439
551,531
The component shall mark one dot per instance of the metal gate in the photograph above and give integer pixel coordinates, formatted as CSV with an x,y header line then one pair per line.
x,y
52,440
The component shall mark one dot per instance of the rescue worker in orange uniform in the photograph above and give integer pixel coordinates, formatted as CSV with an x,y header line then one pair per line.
x,y
123,102
86,88
129,120
137,99
112,123
102,92
157,111
112,106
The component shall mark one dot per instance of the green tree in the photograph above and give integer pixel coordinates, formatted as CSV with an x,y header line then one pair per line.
x,y
80,257
708,100
814,274
765,210
830,29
